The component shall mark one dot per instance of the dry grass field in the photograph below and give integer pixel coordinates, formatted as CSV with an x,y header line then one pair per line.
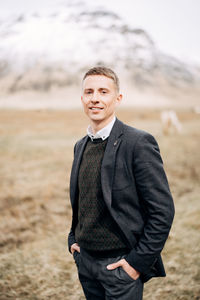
x,y
36,151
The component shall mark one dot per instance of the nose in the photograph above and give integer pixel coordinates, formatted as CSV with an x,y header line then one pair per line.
x,y
95,98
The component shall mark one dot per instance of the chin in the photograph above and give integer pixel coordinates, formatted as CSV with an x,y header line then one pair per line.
x,y
95,117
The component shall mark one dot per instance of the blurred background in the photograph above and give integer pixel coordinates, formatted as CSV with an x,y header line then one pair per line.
x,y
45,48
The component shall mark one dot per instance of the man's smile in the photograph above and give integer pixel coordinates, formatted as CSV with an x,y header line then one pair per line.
x,y
95,108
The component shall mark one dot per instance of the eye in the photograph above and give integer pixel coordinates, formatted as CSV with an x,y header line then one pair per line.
x,y
103,91
88,92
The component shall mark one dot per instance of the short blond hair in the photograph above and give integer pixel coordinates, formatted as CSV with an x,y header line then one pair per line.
x,y
107,72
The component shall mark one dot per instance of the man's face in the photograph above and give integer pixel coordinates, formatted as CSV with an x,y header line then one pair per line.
x,y
100,98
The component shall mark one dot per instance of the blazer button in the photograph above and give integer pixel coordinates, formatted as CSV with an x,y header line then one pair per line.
x,y
115,143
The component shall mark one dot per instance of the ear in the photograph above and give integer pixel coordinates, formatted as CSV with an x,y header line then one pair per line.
x,y
119,99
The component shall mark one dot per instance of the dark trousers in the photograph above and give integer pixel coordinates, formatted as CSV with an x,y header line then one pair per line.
x,y
98,283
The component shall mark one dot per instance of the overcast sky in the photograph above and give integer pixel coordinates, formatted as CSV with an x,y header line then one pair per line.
x,y
173,24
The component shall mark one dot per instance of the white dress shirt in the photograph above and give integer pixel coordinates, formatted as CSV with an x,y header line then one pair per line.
x,y
103,133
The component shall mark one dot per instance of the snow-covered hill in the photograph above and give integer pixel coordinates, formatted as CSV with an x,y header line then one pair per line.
x,y
40,51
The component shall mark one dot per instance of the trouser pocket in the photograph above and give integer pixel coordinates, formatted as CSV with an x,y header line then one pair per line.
x,y
76,256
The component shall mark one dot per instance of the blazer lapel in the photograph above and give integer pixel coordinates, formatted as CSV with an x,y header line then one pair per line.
x,y
108,163
75,169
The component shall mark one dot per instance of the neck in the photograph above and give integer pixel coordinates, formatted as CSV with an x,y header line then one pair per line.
x,y
96,126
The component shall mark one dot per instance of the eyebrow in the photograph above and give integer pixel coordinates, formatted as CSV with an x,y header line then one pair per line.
x,y
99,89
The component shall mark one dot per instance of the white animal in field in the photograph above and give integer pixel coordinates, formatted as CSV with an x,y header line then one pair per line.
x,y
170,122
196,109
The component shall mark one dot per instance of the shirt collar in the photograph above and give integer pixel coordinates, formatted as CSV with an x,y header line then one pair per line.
x,y
103,133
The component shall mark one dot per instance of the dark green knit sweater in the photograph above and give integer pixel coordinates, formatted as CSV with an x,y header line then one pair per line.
x,y
96,230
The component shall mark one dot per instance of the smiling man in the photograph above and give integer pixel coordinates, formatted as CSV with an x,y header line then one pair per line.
x,y
121,203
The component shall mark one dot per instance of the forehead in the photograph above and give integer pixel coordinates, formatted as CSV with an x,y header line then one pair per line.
x,y
98,81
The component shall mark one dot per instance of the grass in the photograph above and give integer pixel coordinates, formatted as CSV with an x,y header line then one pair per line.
x,y
36,152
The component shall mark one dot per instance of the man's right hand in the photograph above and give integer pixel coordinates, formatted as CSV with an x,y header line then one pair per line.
x,y
75,247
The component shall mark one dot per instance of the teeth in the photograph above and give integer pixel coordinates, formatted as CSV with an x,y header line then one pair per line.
x,y
96,108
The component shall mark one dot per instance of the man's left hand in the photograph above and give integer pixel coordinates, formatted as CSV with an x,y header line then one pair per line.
x,y
127,268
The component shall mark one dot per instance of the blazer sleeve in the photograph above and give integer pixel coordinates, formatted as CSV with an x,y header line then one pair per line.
x,y
156,199
71,236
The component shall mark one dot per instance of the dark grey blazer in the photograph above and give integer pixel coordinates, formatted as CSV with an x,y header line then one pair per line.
x,y
136,192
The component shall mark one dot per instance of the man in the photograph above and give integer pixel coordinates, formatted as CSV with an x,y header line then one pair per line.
x,y
121,202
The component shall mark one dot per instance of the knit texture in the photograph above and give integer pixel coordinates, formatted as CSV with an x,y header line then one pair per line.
x,y
96,230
